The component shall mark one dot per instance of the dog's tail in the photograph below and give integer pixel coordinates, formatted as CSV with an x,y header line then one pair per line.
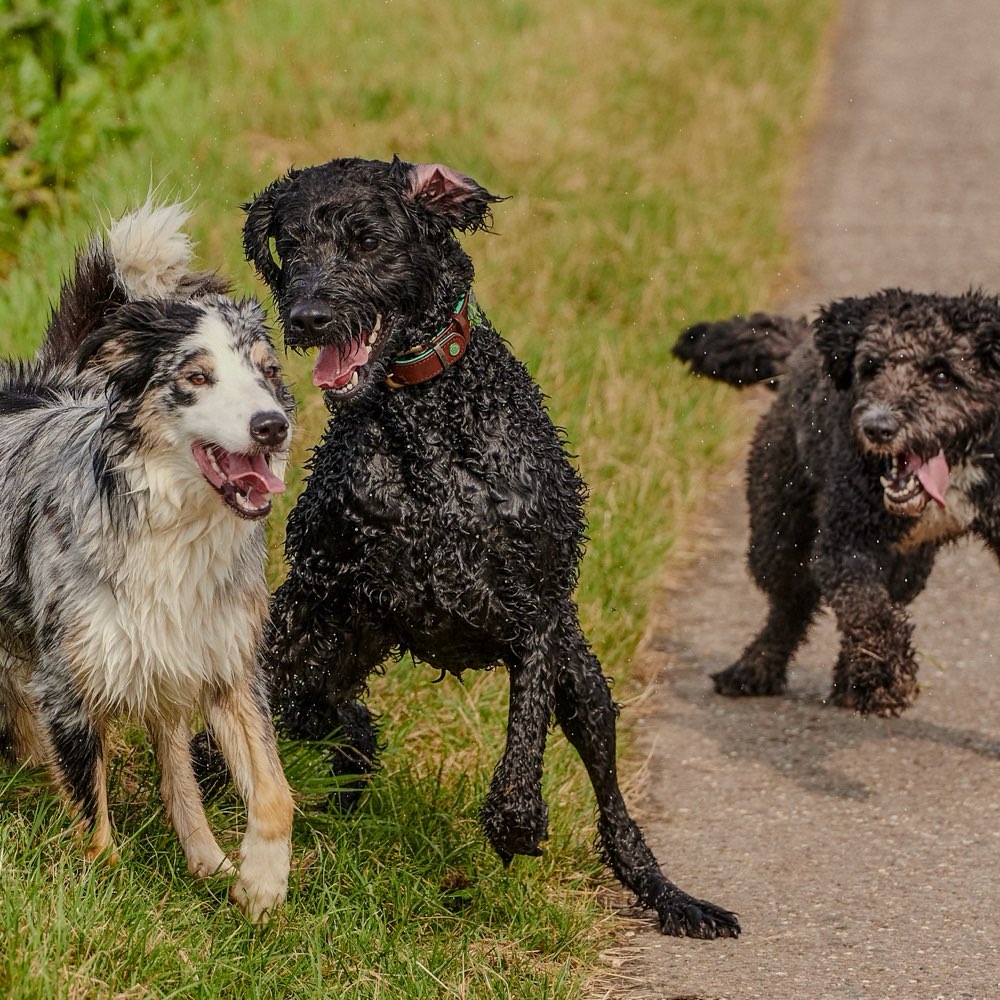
x,y
742,350
145,254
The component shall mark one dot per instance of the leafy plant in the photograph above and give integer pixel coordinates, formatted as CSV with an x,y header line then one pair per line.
x,y
69,70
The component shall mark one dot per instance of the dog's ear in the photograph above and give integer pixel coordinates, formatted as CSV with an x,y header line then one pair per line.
x,y
446,194
837,330
258,230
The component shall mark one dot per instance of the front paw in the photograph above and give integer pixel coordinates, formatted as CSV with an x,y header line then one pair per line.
x,y
748,680
682,915
873,687
263,881
515,826
885,702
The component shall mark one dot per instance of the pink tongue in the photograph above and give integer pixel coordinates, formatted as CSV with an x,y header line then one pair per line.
x,y
933,476
335,364
251,475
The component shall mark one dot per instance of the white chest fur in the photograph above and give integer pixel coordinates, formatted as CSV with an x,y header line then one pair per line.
x,y
179,612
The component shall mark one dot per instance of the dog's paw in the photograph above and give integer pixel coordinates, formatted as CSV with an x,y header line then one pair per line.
x,y
682,915
263,881
885,702
743,680
209,863
863,684
514,828
256,903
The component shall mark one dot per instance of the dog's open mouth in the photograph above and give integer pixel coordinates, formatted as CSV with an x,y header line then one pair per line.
x,y
245,482
342,369
910,482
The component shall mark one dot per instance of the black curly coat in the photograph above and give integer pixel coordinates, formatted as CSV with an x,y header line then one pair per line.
x,y
441,518
881,446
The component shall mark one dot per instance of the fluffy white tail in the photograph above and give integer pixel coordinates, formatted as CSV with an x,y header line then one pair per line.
x,y
151,251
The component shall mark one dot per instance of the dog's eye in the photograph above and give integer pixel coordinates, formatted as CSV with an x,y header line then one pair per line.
x,y
197,378
941,378
870,367
368,242
270,371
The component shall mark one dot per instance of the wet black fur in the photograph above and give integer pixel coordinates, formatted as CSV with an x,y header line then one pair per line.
x,y
443,519
927,368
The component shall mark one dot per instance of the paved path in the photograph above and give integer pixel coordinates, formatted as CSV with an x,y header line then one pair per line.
x,y
862,854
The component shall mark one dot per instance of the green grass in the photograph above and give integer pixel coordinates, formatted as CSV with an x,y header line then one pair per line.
x,y
647,149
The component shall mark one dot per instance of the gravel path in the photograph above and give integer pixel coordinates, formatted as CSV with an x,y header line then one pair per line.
x,y
862,854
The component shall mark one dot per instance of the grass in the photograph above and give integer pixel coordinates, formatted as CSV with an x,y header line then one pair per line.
x,y
647,148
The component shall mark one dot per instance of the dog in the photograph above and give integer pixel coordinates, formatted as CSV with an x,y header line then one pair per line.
x,y
880,447
140,451
442,515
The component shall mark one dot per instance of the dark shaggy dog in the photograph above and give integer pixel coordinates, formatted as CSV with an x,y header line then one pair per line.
x,y
881,446
442,516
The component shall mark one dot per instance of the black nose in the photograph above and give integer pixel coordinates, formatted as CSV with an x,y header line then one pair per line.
x,y
307,320
879,426
269,429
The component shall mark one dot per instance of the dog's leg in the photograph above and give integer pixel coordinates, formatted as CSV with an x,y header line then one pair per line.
x,y
182,799
514,815
20,740
762,668
75,751
876,670
241,724
782,529
316,664
587,715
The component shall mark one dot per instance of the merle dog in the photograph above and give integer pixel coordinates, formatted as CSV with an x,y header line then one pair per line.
x,y
441,516
880,447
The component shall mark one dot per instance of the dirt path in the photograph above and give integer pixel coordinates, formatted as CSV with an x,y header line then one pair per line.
x,y
863,855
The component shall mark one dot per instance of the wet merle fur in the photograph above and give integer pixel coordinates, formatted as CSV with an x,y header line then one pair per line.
x,y
126,585
820,530
444,518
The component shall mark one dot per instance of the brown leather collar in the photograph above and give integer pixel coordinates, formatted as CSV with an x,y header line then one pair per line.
x,y
424,361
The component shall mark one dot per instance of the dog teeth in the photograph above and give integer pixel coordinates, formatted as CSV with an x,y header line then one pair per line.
x,y
885,481
348,386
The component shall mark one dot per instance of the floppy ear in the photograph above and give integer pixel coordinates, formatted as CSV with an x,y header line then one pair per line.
x,y
446,194
837,330
259,228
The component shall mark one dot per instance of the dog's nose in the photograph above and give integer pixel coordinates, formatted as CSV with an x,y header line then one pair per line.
x,y
309,319
269,429
879,426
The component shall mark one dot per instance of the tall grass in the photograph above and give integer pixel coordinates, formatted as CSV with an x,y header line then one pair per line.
x,y
646,148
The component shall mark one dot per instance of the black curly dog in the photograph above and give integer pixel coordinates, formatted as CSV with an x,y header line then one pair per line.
x,y
441,516
882,445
